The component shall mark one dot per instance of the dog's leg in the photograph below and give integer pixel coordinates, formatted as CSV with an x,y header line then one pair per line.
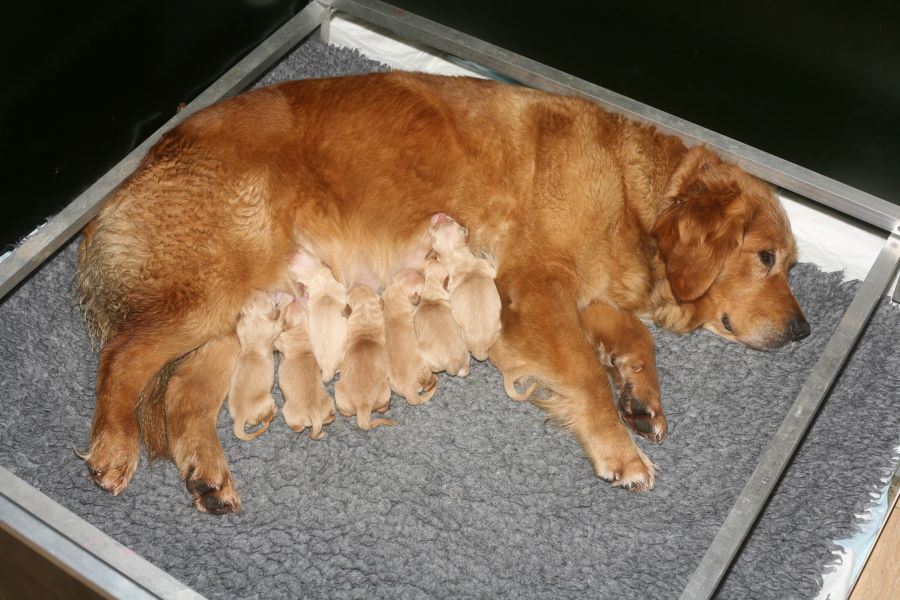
x,y
625,348
129,362
541,328
193,400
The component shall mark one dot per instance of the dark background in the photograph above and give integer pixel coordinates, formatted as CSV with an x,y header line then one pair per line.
x,y
817,84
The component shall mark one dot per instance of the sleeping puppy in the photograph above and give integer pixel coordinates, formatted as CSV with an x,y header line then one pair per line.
x,y
250,399
440,338
473,296
408,374
363,386
327,311
306,403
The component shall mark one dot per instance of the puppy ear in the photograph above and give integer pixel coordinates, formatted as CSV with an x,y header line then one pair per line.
x,y
704,223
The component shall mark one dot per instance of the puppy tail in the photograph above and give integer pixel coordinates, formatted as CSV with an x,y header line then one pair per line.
x,y
509,384
428,385
365,421
242,434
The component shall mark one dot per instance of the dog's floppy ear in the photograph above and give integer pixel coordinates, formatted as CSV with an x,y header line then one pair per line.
x,y
703,223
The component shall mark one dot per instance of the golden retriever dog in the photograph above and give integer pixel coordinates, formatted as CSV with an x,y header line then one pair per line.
x,y
575,206
250,399
474,300
306,402
327,311
408,374
440,339
363,386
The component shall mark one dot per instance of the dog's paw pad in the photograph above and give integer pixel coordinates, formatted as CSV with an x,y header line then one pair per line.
x,y
648,423
213,498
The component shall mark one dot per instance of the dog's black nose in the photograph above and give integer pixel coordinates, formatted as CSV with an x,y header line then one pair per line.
x,y
799,328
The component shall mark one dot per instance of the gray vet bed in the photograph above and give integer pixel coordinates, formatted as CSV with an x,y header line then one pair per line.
x,y
473,495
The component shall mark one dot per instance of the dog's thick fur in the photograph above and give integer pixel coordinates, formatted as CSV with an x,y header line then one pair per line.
x,y
575,206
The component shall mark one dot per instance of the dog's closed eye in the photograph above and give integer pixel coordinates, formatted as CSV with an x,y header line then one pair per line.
x,y
767,258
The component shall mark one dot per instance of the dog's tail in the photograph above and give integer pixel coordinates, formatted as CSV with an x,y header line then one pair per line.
x,y
151,411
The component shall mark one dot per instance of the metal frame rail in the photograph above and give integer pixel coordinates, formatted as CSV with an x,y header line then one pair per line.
x,y
46,518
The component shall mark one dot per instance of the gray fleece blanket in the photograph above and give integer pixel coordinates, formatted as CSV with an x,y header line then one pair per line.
x,y
471,494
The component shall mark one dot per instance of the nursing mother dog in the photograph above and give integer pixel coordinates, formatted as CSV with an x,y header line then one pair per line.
x,y
591,220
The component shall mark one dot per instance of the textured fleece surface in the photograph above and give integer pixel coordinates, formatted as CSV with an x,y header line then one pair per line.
x,y
471,494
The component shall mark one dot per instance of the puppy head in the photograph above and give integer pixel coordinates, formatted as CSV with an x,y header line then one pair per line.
x,y
363,302
295,314
411,282
727,246
259,306
436,278
446,234
302,265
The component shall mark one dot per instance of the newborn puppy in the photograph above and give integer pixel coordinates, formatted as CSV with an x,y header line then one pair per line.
x,y
408,374
250,399
306,403
327,311
363,385
474,299
440,338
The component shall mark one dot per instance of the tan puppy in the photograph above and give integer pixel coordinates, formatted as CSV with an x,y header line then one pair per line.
x,y
440,338
306,403
363,385
250,399
408,374
473,296
327,311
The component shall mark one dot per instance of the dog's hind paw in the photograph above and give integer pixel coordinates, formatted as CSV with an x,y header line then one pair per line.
x,y
213,497
112,461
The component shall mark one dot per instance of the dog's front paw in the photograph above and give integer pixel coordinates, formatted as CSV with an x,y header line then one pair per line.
x,y
639,402
112,461
640,417
628,468
215,494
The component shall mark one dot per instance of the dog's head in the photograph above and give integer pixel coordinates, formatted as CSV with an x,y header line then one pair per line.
x,y
727,246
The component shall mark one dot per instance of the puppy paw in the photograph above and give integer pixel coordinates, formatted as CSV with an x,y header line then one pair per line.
x,y
215,495
112,461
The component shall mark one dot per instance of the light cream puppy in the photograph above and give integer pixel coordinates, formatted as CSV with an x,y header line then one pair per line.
x,y
440,339
363,386
250,399
408,374
327,311
474,299
306,403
